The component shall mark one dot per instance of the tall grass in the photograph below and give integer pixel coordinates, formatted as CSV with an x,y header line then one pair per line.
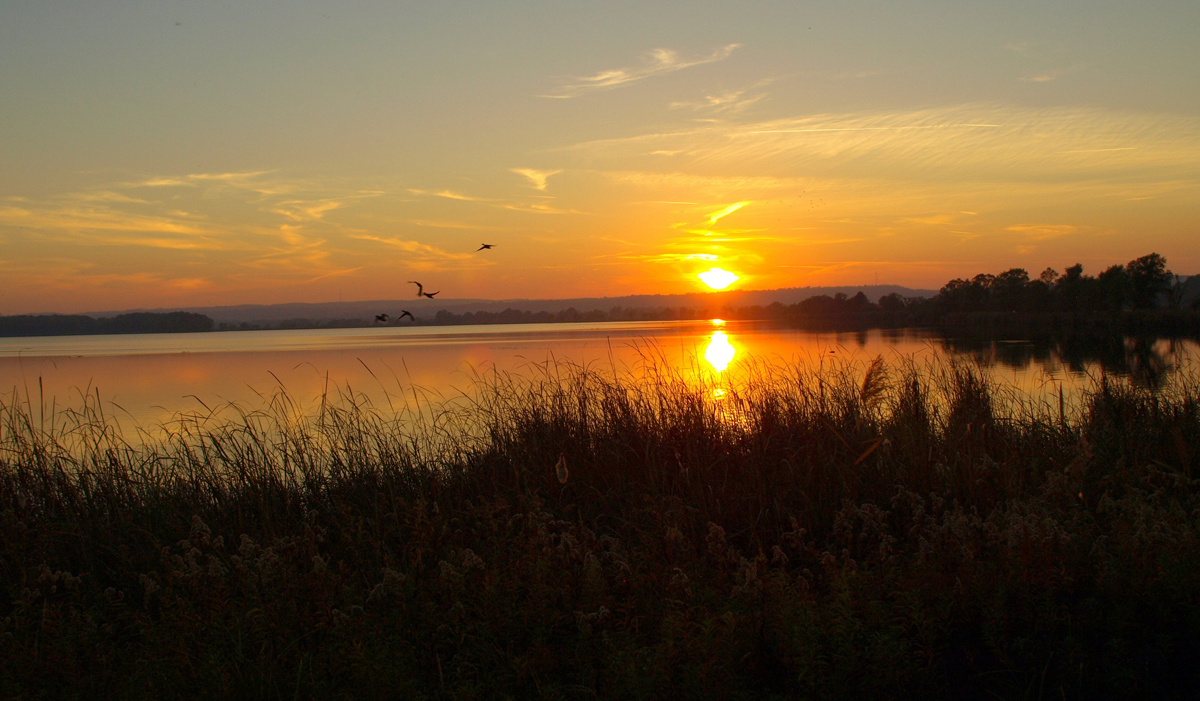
x,y
895,530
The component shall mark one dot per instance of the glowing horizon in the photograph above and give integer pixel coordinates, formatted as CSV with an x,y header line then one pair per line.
x,y
193,156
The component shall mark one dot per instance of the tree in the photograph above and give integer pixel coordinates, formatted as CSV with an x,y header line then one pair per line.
x,y
1112,288
1008,289
893,302
1148,280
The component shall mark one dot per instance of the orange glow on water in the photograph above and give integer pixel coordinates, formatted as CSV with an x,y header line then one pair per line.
x,y
720,351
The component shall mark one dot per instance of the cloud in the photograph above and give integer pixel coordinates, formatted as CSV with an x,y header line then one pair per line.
x,y
981,142
729,102
536,177
720,214
448,194
1043,232
1045,77
668,257
657,62
422,256
314,210
438,224
229,177
98,225
335,273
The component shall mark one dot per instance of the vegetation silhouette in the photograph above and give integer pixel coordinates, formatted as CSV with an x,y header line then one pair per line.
x,y
77,324
862,530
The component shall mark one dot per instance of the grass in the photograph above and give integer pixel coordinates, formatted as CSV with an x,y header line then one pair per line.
x,y
858,530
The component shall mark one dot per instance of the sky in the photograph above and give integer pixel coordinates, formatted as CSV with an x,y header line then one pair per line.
x,y
175,154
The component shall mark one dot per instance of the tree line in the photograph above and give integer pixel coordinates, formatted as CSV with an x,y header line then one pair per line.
x,y
79,324
1142,283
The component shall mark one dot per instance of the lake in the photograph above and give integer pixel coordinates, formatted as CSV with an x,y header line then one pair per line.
x,y
145,379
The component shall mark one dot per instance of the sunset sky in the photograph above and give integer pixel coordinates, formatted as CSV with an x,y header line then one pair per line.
x,y
182,154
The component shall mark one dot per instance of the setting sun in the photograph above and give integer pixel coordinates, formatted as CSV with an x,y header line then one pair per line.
x,y
717,278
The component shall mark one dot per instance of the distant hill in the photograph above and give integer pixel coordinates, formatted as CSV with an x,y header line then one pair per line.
x,y
273,314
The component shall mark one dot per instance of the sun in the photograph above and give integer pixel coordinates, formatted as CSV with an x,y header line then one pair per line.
x,y
717,279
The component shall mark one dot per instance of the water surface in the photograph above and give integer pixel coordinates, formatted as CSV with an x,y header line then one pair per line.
x,y
148,378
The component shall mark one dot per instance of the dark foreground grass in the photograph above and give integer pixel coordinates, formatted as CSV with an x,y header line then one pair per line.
x,y
861,532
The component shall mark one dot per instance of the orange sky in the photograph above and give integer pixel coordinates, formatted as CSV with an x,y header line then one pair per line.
x,y
305,152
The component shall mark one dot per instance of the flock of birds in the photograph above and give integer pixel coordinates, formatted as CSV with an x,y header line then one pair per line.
x,y
383,318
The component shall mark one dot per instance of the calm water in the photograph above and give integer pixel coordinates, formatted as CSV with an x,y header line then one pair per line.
x,y
147,378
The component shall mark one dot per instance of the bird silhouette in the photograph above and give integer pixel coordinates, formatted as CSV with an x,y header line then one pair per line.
x,y
381,317
405,313
420,287
484,247
431,294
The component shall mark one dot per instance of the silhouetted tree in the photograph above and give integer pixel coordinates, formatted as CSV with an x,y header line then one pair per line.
x,y
1008,289
1112,289
1148,279
893,302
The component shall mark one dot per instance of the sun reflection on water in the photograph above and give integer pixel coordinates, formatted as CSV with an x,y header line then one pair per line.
x,y
720,351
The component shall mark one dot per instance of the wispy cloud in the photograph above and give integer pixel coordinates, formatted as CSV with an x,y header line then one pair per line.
x,y
657,62
100,225
163,182
229,177
983,142
1044,232
314,210
441,224
668,257
511,205
423,256
726,103
536,177
722,213
1044,77
448,194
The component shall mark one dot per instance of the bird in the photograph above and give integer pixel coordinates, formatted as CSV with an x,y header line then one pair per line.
x,y
405,313
484,247
430,294
381,317
420,287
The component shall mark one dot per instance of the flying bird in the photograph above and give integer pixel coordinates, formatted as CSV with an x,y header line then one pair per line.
x,y
405,313
381,317
420,287
430,294
484,247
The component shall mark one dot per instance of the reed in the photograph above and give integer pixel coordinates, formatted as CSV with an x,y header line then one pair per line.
x,y
896,530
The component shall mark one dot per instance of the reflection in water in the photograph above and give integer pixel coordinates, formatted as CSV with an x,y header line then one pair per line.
x,y
148,378
720,351
1148,362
